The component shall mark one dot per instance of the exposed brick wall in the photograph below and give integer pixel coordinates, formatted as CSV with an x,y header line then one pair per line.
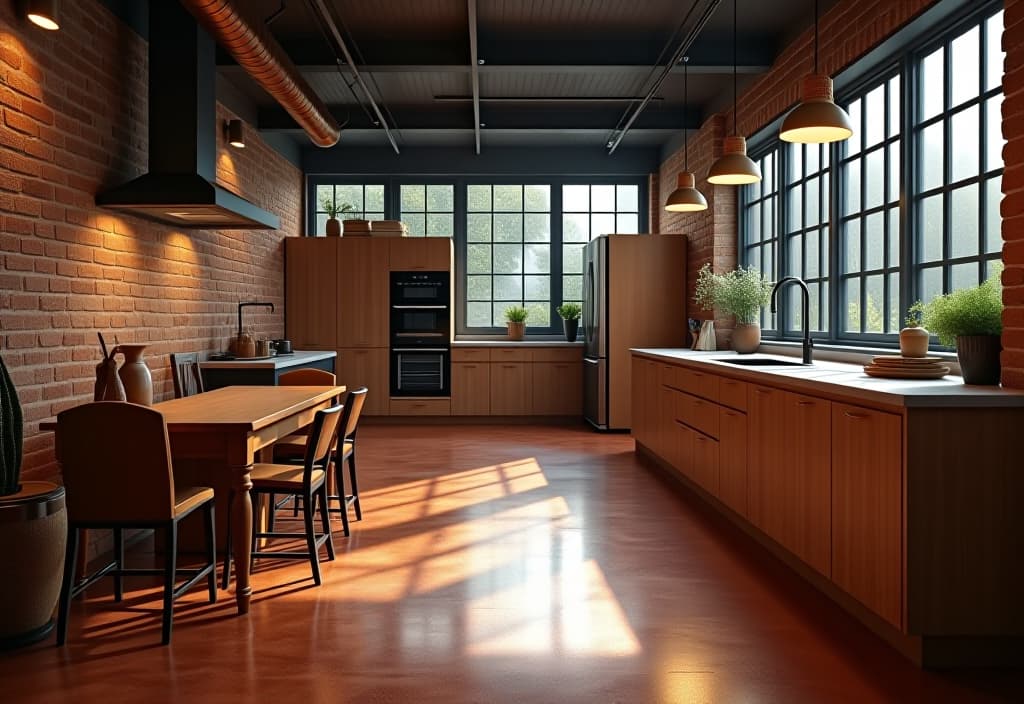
x,y
74,122
1013,195
846,32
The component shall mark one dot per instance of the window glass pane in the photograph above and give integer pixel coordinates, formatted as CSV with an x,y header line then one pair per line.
x,y
812,205
895,314
795,171
478,227
966,55
351,194
508,227
374,199
852,307
576,199
538,288
964,156
627,224
931,221
572,258
851,246
895,111
812,162
508,258
627,199
811,254
576,228
323,193
794,256
537,227
963,276
602,199
853,144
440,224
767,167
440,198
874,179
538,258
993,220
508,288
601,224
414,198
321,223
894,237
964,215
538,199
874,118
932,82
478,198
795,211
540,313
478,315
417,223
931,283
478,259
874,245
895,174
478,288
851,183
930,148
994,133
874,302
508,198
572,288
994,55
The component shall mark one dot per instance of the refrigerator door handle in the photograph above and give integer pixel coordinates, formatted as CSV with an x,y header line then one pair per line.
x,y
588,312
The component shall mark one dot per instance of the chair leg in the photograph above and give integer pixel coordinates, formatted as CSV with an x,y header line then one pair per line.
x,y
325,519
295,506
355,484
70,560
270,513
211,549
339,479
170,563
227,550
314,558
257,504
119,564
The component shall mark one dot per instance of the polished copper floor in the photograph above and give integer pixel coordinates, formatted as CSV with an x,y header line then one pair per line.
x,y
498,565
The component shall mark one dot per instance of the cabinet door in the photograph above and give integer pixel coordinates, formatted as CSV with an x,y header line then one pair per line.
x,y
867,515
363,291
766,437
471,388
311,292
510,388
680,451
366,367
421,254
732,459
639,400
557,388
704,467
807,483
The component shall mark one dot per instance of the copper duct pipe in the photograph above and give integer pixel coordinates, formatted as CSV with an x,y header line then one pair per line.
x,y
258,52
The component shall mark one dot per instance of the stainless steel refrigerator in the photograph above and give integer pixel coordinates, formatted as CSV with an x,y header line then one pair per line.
x,y
634,295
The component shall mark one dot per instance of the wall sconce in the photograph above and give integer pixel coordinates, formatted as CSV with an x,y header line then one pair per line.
x,y
233,133
43,13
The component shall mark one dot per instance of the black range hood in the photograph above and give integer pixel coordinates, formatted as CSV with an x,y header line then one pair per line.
x,y
180,187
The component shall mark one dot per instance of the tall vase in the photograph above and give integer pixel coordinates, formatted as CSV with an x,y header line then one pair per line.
x,y
138,382
746,337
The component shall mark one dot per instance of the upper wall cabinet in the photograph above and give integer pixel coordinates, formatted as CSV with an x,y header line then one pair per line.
x,y
421,254
311,291
363,283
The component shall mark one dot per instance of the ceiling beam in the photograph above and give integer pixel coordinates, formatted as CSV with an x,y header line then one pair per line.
x,y
475,72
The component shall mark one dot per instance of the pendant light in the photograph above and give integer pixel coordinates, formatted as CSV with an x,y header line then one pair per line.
x,y
734,167
43,13
686,198
817,119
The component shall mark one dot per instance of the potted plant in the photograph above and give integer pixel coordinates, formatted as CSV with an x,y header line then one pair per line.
x,y
330,205
515,317
972,320
914,338
33,534
570,314
740,293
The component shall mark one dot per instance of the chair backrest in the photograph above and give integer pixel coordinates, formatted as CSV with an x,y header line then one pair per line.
x,y
323,437
116,462
306,377
188,377
353,409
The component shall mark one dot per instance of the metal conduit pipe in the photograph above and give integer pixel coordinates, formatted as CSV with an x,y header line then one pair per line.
x,y
255,50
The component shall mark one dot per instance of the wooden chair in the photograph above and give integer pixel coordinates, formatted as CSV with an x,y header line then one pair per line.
x,y
309,482
116,463
188,378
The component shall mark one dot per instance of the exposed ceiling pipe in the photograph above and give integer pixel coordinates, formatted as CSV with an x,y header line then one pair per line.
x,y
252,46
666,70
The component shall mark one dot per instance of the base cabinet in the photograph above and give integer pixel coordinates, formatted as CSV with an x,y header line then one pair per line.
x,y
732,460
511,388
471,388
557,389
366,367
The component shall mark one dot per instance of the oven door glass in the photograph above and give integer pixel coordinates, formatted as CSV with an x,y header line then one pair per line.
x,y
420,372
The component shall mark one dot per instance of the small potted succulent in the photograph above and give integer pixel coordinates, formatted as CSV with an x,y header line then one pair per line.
x,y
570,314
741,293
515,317
914,338
330,205
972,320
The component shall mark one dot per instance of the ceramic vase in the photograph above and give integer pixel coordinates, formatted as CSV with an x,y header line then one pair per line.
x,y
516,331
979,358
914,342
570,327
746,338
333,227
134,374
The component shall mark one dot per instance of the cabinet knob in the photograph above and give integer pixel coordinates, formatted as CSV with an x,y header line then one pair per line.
x,y
854,416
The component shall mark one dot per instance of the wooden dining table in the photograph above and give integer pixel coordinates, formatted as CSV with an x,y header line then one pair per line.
x,y
216,438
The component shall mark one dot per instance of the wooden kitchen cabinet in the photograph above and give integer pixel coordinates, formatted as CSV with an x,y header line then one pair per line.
x,y
704,462
732,459
867,514
420,254
311,292
807,480
363,292
766,433
471,388
511,388
558,388
366,367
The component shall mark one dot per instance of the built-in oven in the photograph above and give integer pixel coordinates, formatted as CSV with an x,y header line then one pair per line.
x,y
420,333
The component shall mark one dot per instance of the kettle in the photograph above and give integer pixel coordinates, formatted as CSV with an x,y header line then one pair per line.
x,y
283,346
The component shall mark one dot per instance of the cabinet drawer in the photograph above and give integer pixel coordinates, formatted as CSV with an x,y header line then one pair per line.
x,y
732,393
704,465
511,354
558,354
698,413
470,354
698,383
421,407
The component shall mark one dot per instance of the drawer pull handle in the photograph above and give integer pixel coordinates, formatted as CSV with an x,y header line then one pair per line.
x,y
697,374
729,413
854,416
469,366
762,391
701,438
805,403
508,366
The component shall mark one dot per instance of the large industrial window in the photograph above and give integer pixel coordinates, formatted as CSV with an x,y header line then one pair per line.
x,y
367,201
915,211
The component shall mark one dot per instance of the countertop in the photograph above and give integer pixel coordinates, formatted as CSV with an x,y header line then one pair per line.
x,y
849,380
282,362
515,343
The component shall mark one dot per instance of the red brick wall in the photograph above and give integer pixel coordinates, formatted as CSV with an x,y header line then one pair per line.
x,y
74,122
1013,195
848,31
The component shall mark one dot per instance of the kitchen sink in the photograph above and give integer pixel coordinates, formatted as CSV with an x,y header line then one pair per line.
x,y
759,362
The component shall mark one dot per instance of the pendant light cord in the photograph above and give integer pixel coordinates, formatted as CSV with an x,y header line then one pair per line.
x,y
734,101
686,121
815,36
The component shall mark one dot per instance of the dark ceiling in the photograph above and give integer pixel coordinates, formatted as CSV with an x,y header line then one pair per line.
x,y
550,71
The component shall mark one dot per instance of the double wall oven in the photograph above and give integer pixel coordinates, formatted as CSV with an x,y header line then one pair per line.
x,y
420,333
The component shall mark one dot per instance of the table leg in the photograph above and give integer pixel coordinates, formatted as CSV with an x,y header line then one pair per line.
x,y
241,531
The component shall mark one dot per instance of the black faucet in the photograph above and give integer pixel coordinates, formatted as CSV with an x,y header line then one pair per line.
x,y
250,303
805,317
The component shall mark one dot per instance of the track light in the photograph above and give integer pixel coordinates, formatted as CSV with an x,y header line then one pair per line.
x,y
233,130
43,13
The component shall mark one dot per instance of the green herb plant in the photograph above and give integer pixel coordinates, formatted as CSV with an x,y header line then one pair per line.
x,y
333,208
969,311
569,311
741,293
516,314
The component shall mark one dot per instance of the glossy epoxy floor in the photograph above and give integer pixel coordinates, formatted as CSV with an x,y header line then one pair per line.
x,y
498,565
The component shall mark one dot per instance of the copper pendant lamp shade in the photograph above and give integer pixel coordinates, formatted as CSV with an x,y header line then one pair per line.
x,y
43,13
817,119
686,198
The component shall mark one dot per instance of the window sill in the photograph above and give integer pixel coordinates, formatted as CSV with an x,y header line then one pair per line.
x,y
851,354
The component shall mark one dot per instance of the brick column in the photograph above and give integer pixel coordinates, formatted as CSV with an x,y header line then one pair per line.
x,y
1013,195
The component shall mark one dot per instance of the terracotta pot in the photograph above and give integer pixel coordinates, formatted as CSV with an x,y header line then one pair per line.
x,y
33,535
516,331
914,342
333,227
571,327
138,382
979,358
746,337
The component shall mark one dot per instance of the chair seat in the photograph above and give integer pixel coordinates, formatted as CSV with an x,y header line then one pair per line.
x,y
190,497
287,477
